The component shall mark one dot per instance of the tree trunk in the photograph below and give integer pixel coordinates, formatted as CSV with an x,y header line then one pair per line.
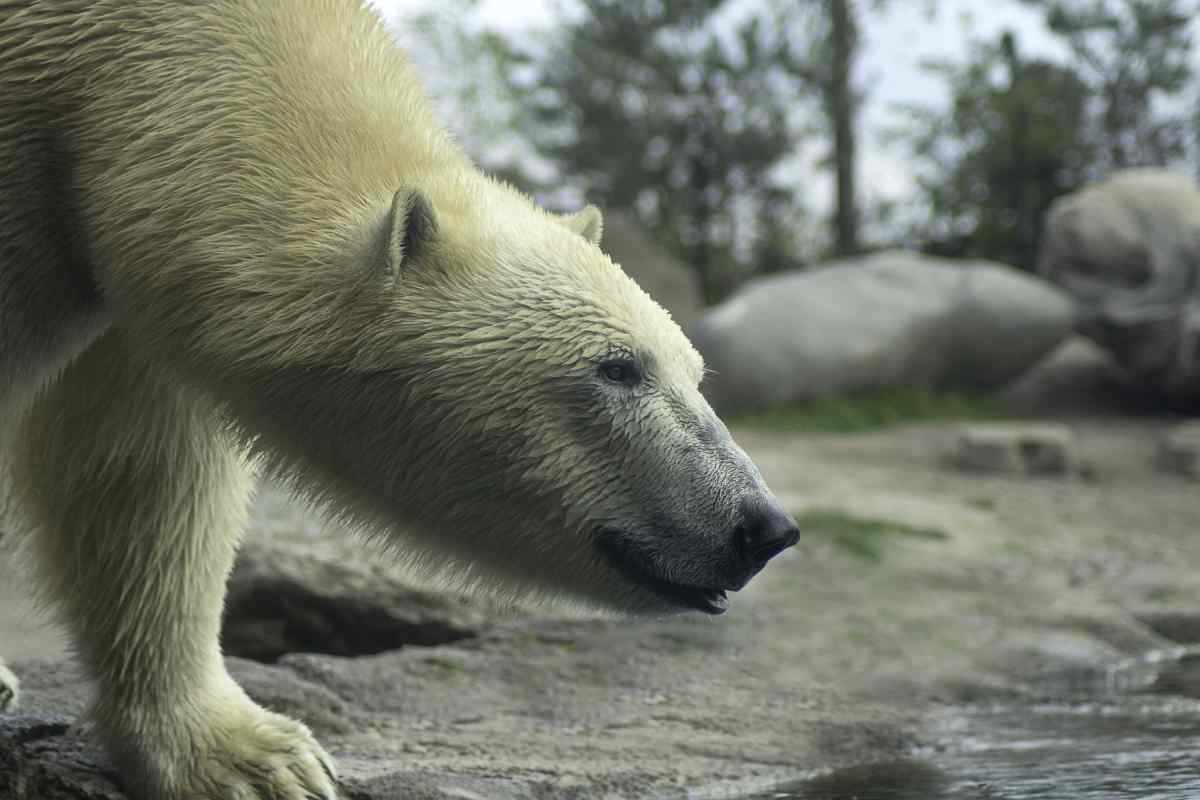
x,y
842,106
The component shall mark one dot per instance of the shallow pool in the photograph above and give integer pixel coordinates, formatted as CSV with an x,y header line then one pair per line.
x,y
1110,738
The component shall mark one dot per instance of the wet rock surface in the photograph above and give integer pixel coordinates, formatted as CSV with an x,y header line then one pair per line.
x,y
48,756
1181,625
528,711
829,659
1181,677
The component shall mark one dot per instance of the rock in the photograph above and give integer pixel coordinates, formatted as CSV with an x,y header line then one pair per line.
x,y
1180,625
1078,377
1044,449
1179,450
907,778
1128,251
291,596
660,274
45,756
891,320
987,451
1179,677
588,709
323,710
10,694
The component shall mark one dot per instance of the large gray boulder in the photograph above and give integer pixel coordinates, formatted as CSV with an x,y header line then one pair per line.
x,y
1128,250
891,320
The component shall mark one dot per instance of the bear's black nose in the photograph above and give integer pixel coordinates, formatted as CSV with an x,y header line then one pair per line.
x,y
766,531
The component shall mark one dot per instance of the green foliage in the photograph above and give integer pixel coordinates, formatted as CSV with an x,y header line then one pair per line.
x,y
872,411
692,114
661,107
982,503
1020,133
1136,58
464,67
1015,138
862,537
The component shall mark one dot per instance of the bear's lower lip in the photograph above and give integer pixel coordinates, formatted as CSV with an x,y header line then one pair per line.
x,y
708,599
716,601
699,598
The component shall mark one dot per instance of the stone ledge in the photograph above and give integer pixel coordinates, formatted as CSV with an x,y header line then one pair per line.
x,y
1179,450
1015,448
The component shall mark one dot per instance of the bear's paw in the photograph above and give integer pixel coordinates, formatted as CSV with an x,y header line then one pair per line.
x,y
268,757
243,752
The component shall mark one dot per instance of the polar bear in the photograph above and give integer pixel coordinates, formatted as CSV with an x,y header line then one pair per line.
x,y
233,235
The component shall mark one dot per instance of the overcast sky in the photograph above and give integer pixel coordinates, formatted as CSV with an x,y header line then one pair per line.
x,y
897,41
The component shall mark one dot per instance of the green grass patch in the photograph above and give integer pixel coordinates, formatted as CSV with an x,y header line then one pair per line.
x,y
441,664
872,411
982,503
862,537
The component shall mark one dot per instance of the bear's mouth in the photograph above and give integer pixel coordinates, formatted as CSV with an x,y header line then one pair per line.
x,y
638,568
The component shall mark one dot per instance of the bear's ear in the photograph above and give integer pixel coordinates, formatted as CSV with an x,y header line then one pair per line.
x,y
410,226
587,223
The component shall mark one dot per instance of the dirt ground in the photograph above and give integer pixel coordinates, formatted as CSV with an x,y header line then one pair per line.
x,y
1035,574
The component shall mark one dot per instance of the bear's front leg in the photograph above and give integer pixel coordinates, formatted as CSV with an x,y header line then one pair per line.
x,y
137,491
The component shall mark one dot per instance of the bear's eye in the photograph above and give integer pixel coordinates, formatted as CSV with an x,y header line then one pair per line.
x,y
620,371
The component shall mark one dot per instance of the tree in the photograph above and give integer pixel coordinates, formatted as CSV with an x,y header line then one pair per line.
x,y
464,67
654,106
1014,139
1135,56
833,52
842,106
834,46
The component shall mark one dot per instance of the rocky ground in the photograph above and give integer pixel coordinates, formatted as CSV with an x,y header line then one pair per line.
x,y
964,585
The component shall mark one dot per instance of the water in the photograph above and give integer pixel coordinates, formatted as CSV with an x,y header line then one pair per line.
x,y
1107,739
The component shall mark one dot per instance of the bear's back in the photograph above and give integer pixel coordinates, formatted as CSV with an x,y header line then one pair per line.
x,y
134,133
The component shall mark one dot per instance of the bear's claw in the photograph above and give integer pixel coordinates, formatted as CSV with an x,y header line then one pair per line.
x,y
257,755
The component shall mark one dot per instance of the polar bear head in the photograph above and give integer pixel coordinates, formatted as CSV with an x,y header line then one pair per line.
x,y
519,409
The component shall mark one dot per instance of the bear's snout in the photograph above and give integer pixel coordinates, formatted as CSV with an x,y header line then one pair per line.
x,y
764,531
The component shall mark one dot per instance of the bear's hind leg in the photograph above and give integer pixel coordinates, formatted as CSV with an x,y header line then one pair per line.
x,y
136,489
